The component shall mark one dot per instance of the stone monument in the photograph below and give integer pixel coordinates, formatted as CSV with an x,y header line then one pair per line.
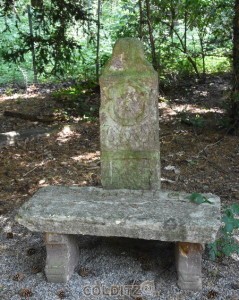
x,y
130,204
130,157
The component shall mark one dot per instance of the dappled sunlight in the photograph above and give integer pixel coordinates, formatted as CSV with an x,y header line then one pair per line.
x,y
93,156
11,136
3,220
66,134
173,109
31,91
201,93
90,161
28,94
192,108
42,183
190,114
19,97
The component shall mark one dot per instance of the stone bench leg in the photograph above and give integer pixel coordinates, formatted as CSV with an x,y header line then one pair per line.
x,y
62,257
188,263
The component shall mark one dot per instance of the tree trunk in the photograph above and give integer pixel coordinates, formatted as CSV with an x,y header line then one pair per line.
x,y
32,43
236,48
234,99
185,24
151,37
203,55
141,20
98,41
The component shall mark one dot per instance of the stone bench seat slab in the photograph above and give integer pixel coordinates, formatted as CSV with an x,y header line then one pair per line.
x,y
151,215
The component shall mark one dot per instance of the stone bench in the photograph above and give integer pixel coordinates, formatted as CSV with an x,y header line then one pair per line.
x,y
63,212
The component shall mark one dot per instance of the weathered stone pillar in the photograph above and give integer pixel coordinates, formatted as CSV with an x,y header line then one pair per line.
x,y
130,156
188,263
62,257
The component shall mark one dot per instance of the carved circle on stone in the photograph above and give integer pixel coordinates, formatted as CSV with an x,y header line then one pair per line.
x,y
127,106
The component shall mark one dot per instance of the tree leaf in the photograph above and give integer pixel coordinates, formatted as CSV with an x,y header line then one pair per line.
x,y
229,224
235,208
198,198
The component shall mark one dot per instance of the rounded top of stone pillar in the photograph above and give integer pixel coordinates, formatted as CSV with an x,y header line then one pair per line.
x,y
128,57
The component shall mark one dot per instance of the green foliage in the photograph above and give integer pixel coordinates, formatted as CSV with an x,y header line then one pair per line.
x,y
198,198
54,46
191,36
127,23
226,245
218,63
9,91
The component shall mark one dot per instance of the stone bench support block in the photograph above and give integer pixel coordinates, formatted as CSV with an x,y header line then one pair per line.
x,y
62,257
188,264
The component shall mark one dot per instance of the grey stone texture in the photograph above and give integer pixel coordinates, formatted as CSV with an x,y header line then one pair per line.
x,y
188,264
129,132
62,257
152,215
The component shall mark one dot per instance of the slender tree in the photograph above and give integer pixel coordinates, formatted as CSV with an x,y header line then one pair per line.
x,y
98,40
236,48
151,37
234,99
141,19
34,66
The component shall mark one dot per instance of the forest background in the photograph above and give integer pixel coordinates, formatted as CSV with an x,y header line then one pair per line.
x,y
50,40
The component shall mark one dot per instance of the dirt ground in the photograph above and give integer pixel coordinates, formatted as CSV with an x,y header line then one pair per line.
x,y
197,154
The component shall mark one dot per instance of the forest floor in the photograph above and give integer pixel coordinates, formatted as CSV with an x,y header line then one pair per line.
x,y
197,153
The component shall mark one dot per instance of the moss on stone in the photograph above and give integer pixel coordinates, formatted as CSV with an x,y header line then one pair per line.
x,y
129,120
128,58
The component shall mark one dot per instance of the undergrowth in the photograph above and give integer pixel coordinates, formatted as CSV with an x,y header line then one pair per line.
x,y
226,245
80,100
